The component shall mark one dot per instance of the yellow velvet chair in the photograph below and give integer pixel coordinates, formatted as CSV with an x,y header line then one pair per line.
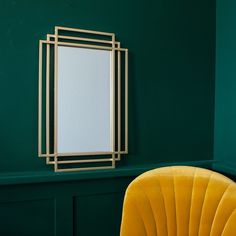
x,y
180,201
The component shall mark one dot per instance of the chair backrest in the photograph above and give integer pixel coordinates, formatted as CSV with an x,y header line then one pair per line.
x,y
180,201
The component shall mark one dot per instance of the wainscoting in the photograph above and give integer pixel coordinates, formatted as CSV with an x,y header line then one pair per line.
x,y
63,208
66,204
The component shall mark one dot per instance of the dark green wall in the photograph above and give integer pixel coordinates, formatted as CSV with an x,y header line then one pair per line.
x,y
225,98
171,46
171,106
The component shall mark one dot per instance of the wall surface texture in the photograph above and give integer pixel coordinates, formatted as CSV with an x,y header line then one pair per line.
x,y
171,107
225,98
171,89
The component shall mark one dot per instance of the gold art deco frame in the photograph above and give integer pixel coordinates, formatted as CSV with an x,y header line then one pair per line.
x,y
94,42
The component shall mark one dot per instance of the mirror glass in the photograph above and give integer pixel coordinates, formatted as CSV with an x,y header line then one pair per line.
x,y
84,100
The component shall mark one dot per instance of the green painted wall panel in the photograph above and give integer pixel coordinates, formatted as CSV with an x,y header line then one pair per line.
x,y
171,88
94,213
64,215
29,217
65,208
225,96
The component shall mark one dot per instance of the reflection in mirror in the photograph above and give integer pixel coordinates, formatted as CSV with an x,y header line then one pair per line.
x,y
84,100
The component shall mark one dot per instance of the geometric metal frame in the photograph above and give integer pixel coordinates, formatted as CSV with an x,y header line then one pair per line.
x,y
58,159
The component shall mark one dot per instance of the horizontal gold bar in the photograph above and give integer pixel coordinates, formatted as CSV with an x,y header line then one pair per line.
x,y
122,152
76,162
84,154
81,154
82,39
47,155
82,161
83,31
84,45
85,168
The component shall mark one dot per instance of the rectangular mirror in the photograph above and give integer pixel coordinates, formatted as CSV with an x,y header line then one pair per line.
x,y
85,98
80,100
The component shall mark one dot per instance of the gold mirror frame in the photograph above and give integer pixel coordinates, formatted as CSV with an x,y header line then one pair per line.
x,y
93,40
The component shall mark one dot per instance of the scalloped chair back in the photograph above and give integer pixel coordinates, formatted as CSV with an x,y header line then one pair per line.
x,y
180,201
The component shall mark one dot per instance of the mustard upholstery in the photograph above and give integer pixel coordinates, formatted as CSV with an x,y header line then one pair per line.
x,y
180,201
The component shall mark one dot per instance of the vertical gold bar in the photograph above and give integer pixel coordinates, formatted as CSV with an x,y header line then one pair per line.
x,y
55,163
119,103
113,100
126,100
40,101
47,103
55,97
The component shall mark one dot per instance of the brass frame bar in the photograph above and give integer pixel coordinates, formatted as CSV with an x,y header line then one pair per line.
x,y
83,31
47,102
55,98
40,101
82,154
82,161
111,105
119,103
80,39
126,100
85,168
113,101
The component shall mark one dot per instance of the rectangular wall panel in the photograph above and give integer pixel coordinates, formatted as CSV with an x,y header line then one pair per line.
x,y
98,214
27,218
